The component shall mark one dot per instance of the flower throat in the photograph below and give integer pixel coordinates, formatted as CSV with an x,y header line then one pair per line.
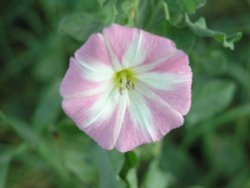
x,y
124,80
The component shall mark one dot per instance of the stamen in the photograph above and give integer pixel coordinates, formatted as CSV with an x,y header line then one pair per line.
x,y
130,85
124,80
121,89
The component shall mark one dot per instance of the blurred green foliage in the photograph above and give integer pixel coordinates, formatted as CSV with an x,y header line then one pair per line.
x,y
40,147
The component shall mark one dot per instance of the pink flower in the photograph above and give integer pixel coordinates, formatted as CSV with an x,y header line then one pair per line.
x,y
127,87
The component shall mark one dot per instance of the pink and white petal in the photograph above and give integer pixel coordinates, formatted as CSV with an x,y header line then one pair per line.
x,y
176,61
103,131
80,82
165,117
135,47
146,121
155,47
179,97
162,81
136,128
78,108
106,131
88,109
131,136
94,51
141,115
95,71
74,82
176,93
121,40
171,81
96,116
135,54
154,101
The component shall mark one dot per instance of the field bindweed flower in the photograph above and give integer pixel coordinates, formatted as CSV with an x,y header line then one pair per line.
x,y
126,87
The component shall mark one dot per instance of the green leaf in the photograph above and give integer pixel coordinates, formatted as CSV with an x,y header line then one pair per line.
x,y
183,38
215,62
209,99
81,25
190,6
101,2
5,158
53,157
126,7
129,163
48,107
155,177
7,153
75,162
238,113
200,28
178,165
185,6
109,164
224,152
22,129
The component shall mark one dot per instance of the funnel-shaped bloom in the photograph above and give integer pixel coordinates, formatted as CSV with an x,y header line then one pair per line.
x,y
126,87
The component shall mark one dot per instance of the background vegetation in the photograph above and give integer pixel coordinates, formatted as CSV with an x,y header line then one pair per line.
x,y
41,148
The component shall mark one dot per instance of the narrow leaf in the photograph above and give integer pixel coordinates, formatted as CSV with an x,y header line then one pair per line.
x,y
200,28
5,158
22,129
48,108
157,177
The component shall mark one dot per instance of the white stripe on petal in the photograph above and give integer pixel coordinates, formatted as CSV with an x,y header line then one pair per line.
x,y
147,67
162,81
102,108
141,88
134,54
122,106
140,113
103,88
113,58
95,72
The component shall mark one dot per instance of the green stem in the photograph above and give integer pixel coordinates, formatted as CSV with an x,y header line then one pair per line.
x,y
115,13
129,164
132,13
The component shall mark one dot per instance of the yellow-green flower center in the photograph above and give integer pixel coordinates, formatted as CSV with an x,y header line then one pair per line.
x,y
124,80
